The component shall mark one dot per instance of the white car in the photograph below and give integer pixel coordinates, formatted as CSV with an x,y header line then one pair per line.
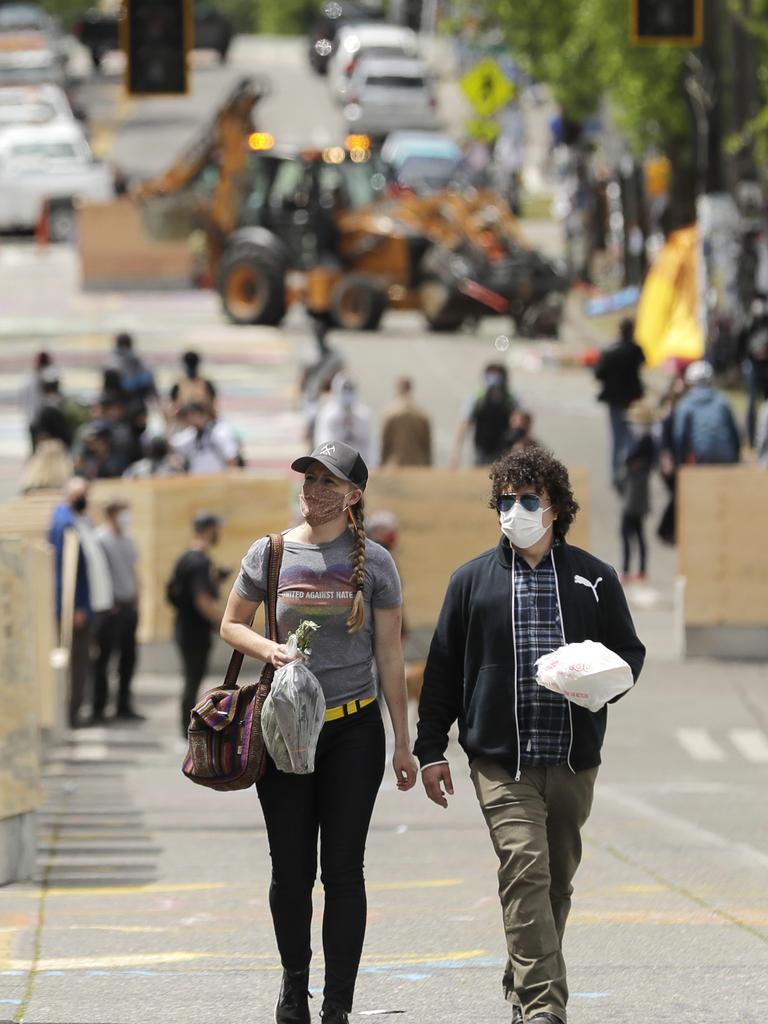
x,y
359,42
51,162
387,94
30,45
33,105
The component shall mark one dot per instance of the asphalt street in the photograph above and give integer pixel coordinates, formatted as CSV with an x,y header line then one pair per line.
x,y
151,897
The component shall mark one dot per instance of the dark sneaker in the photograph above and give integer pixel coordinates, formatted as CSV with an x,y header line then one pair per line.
x,y
293,1001
517,1014
129,715
545,1018
331,1014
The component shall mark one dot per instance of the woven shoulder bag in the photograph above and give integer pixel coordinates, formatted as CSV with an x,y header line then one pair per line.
x,y
225,742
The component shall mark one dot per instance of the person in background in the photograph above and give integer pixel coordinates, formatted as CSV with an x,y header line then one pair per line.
x,y
136,379
618,370
346,418
383,528
190,388
94,458
50,466
317,375
520,427
406,435
487,415
31,398
704,430
93,596
634,484
193,590
51,418
761,435
666,528
160,460
533,755
754,354
206,444
116,633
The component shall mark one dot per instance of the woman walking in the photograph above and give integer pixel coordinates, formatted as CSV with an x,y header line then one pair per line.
x,y
349,586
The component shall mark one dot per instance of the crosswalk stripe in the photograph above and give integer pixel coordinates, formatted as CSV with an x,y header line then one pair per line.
x,y
751,744
700,745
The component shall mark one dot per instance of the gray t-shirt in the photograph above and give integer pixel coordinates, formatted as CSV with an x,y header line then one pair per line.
x,y
316,583
121,556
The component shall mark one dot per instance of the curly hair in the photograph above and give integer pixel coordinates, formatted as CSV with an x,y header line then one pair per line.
x,y
536,467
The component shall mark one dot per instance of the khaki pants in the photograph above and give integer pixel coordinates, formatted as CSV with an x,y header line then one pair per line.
x,y
535,827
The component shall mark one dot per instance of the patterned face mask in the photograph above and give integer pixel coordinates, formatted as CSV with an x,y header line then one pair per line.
x,y
320,505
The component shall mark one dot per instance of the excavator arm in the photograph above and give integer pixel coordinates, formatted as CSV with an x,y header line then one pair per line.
x,y
175,202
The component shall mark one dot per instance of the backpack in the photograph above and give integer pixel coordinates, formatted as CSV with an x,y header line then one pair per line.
x,y
176,588
192,390
708,435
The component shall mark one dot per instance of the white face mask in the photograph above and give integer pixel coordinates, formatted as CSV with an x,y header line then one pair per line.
x,y
524,529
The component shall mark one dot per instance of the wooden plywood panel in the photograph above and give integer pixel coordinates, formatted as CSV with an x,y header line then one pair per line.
x,y
721,510
115,250
19,696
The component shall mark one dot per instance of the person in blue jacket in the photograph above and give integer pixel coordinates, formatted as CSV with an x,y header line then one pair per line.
x,y
94,595
533,755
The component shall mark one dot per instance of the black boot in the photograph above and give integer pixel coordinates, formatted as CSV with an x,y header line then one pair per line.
x,y
293,1001
333,1014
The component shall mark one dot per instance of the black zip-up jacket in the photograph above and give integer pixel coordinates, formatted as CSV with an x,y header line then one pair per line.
x,y
470,671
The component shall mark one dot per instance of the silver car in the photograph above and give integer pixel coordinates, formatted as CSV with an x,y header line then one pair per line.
x,y
388,93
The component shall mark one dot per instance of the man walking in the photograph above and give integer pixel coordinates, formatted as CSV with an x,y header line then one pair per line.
x,y
406,436
193,590
618,370
117,630
533,755
93,596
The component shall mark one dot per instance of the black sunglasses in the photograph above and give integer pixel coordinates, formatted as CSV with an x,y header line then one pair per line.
x,y
530,502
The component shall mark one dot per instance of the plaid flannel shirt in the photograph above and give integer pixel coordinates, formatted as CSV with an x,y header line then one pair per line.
x,y
543,718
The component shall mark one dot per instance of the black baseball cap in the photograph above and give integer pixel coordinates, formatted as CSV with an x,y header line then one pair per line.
x,y
340,458
205,520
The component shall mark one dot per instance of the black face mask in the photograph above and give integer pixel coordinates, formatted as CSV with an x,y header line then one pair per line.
x,y
80,504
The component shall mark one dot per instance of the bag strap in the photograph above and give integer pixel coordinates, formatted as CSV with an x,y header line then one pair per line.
x,y
273,578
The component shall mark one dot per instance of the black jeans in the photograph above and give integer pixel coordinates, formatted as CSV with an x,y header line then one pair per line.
x,y
336,802
632,528
194,653
116,632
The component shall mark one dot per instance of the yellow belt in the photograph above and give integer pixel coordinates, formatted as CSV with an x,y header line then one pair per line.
x,y
343,710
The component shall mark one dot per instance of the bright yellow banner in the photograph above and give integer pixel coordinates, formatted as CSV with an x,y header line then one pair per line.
x,y
667,326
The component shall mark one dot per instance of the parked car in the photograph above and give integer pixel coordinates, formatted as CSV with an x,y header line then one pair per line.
x,y
322,35
388,93
34,105
359,42
53,163
99,33
421,162
31,45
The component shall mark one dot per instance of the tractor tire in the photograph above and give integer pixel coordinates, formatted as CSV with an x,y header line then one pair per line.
x,y
357,303
252,286
439,309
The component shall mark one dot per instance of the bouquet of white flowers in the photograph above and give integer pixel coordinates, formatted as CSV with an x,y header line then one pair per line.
x,y
294,710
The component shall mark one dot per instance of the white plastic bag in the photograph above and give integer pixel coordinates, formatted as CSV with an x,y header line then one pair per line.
x,y
299,709
586,673
273,738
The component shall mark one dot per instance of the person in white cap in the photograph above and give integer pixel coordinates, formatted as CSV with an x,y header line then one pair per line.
x,y
704,430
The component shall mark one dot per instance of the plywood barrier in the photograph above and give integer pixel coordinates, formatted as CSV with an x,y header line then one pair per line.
x,y
443,516
19,692
721,547
115,251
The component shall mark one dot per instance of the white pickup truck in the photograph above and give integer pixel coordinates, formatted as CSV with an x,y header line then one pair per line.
x,y
52,162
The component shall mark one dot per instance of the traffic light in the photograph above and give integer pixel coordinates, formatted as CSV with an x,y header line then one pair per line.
x,y
156,36
674,22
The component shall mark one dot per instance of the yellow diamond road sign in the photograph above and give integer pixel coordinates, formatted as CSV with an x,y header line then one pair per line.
x,y
486,87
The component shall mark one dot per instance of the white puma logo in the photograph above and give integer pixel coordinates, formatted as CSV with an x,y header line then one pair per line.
x,y
592,586
327,449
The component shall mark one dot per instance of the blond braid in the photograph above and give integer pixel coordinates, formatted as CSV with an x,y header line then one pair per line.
x,y
356,619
